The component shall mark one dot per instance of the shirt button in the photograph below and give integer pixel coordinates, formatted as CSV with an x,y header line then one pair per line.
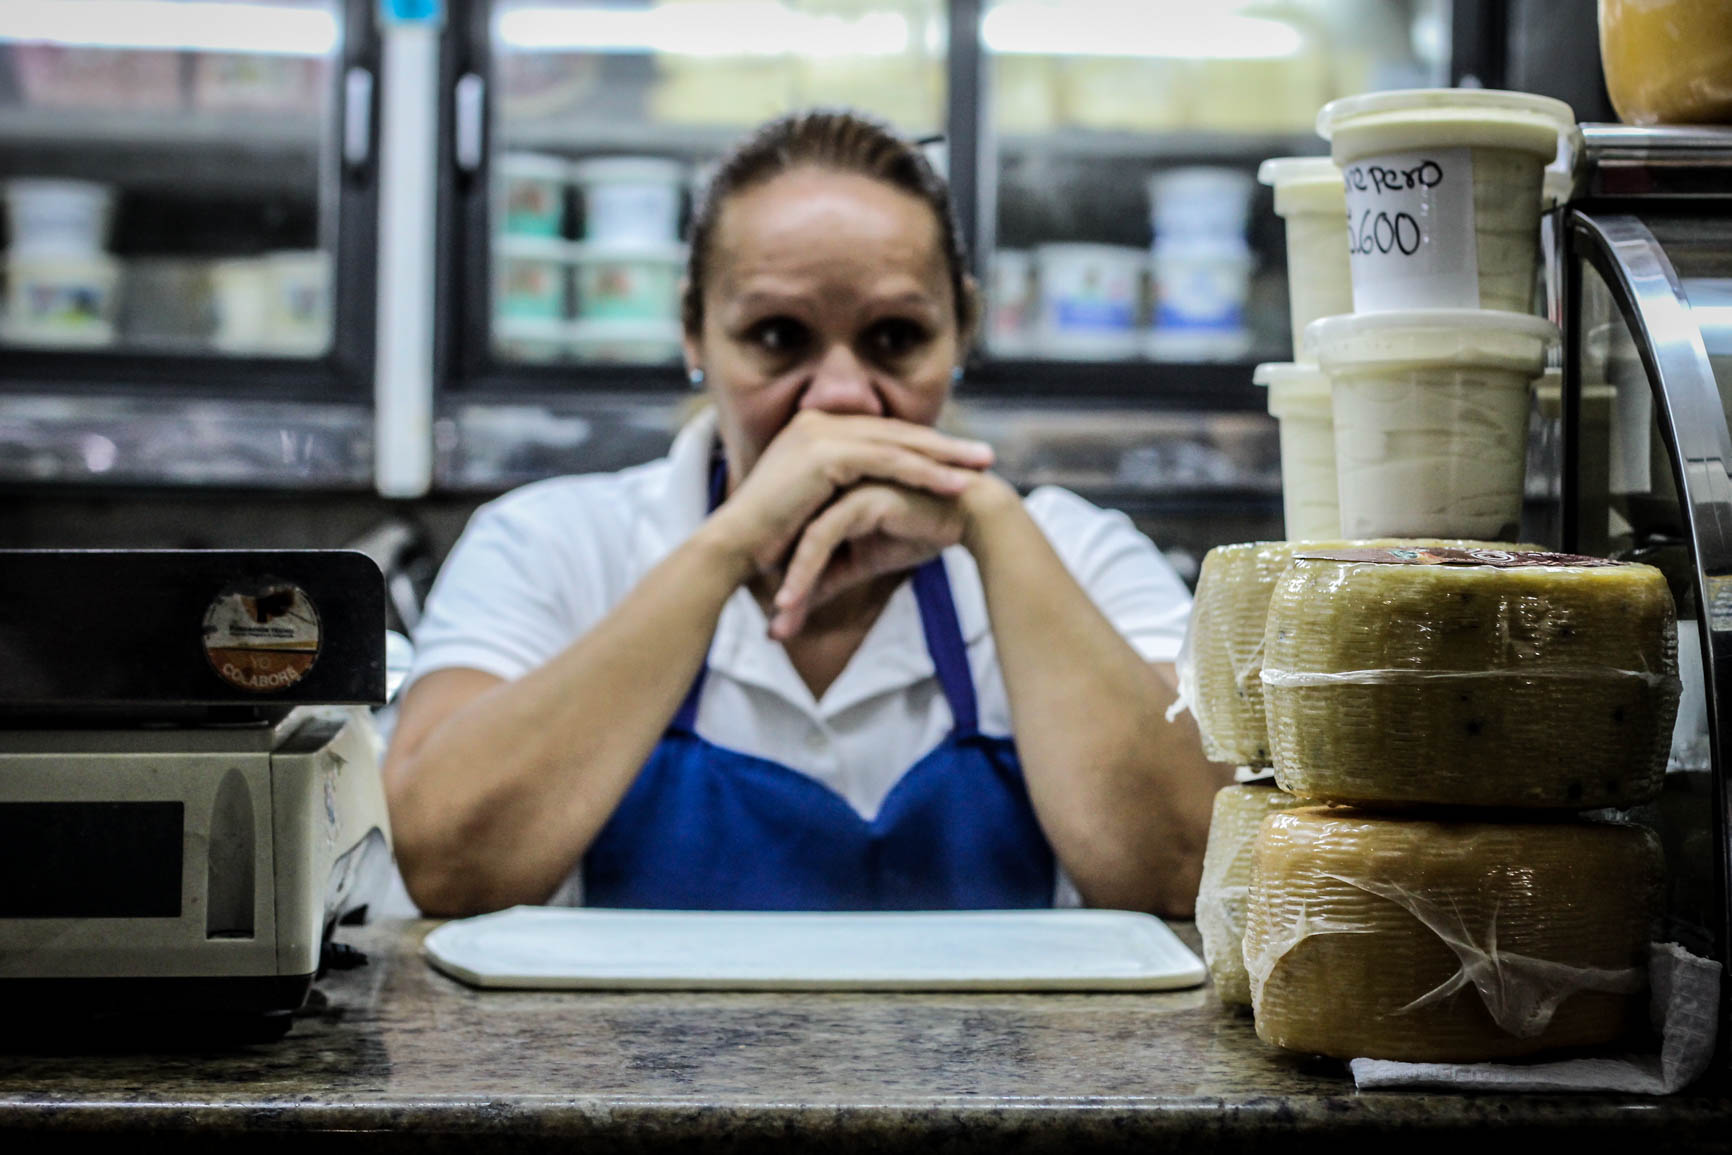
x,y
816,739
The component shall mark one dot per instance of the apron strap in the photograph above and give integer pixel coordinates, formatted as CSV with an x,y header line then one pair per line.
x,y
944,642
686,717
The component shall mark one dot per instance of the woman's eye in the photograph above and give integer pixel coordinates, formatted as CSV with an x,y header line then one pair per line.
x,y
777,335
896,337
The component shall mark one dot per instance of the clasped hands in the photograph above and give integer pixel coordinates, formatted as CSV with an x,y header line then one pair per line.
x,y
837,500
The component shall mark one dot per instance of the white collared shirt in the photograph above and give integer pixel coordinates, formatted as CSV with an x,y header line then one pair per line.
x,y
536,568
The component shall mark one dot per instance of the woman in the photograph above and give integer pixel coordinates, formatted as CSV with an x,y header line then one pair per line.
x,y
712,681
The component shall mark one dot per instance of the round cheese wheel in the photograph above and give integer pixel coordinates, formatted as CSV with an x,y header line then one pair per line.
x,y
1470,677
1223,652
1238,814
1428,941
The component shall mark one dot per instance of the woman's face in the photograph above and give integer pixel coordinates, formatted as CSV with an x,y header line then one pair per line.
x,y
826,290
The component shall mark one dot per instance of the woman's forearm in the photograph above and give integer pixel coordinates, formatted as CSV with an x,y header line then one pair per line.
x,y
1123,795
496,796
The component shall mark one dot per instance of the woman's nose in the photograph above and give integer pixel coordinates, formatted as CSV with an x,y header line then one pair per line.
x,y
841,383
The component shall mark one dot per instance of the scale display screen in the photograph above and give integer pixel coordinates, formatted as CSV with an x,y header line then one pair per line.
x,y
90,859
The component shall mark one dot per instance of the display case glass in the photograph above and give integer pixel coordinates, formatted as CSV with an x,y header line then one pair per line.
x,y
1123,220
603,119
171,176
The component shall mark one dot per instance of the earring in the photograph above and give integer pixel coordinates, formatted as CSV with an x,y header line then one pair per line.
x,y
956,375
696,377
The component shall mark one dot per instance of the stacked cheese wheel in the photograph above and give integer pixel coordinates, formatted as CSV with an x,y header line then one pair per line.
x,y
1220,676
1453,707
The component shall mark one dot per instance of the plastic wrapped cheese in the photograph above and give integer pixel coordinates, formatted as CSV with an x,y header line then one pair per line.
x,y
1238,814
1430,941
1471,678
1223,651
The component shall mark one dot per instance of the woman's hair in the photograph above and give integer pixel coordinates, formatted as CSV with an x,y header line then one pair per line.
x,y
844,142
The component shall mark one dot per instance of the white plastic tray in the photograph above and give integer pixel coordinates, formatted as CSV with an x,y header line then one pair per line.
x,y
581,948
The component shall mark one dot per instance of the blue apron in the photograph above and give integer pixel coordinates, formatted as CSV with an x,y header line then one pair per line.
x,y
708,828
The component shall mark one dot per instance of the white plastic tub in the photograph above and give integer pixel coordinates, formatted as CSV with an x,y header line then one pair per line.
x,y
1199,202
630,200
1431,418
530,278
1299,399
1090,296
240,293
1010,304
1200,291
298,303
1443,194
69,217
531,194
628,283
1311,199
631,342
60,299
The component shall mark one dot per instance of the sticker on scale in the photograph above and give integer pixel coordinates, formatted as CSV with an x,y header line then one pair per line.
x,y
262,635
1410,231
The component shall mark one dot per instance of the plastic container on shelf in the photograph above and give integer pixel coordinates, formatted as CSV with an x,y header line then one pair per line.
x,y
539,341
1089,300
298,302
1668,61
630,200
1200,291
60,299
628,282
1431,418
1312,201
531,194
67,217
1011,304
240,296
63,76
1199,202
1443,193
624,341
1299,400
531,275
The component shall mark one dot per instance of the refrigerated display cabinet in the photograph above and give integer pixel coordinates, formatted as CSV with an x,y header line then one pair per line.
x,y
191,203
1642,259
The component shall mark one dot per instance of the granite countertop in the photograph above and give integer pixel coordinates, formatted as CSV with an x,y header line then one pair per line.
x,y
394,1055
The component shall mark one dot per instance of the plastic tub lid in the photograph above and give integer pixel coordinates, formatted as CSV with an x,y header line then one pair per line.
x,y
671,253
1199,181
1405,119
528,247
530,329
1296,388
633,169
534,165
1304,184
1433,338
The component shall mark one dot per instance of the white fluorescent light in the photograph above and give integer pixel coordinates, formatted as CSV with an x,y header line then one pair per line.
x,y
1186,30
173,25
723,28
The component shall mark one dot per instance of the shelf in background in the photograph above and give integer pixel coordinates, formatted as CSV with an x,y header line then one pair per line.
x,y
575,135
1204,385
243,149
1180,145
